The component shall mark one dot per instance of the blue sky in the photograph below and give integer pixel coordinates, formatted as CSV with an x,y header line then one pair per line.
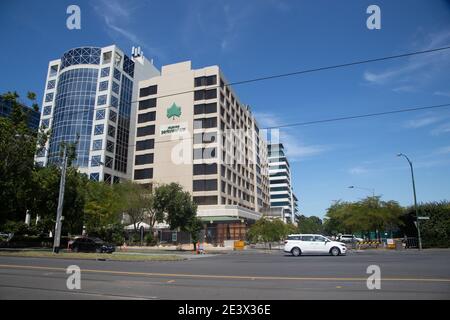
x,y
255,38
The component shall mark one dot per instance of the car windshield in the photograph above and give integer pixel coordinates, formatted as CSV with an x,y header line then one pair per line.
x,y
98,240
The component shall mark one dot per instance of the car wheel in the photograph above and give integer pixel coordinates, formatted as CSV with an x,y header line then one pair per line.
x,y
75,249
296,252
335,251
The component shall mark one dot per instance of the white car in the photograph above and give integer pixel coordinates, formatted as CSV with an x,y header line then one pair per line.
x,y
349,238
298,244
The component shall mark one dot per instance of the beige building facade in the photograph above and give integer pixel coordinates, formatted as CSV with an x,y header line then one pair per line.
x,y
192,129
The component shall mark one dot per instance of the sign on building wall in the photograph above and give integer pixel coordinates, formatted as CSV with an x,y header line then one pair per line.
x,y
169,129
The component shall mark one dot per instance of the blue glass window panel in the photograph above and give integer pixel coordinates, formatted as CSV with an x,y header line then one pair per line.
x,y
40,152
117,74
95,161
97,145
100,114
101,100
108,162
51,84
111,131
110,146
94,176
49,97
128,66
105,72
45,123
98,129
115,87
103,86
84,55
112,116
114,102
47,110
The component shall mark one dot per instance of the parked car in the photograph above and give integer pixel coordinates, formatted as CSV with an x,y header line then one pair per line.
x,y
349,238
298,244
86,244
6,236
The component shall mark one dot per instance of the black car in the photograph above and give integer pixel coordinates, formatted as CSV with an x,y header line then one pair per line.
x,y
85,244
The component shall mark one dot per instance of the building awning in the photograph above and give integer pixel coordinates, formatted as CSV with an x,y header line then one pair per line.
x,y
219,219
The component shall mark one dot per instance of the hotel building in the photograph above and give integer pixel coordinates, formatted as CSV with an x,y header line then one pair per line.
x,y
89,95
192,129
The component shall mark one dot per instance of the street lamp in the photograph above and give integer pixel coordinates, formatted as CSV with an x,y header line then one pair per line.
x,y
368,189
415,198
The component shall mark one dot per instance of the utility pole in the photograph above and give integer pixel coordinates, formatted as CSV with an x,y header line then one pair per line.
x,y
415,199
58,226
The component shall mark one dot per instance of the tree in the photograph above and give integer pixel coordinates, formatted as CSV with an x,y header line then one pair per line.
x,y
129,195
194,227
268,231
311,224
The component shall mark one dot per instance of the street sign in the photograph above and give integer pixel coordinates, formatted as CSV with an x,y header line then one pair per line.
x,y
424,218
174,237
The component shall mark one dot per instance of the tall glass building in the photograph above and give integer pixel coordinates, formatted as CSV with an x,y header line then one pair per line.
x,y
89,99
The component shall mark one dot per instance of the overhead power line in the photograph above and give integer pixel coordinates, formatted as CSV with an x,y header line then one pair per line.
x,y
305,71
367,115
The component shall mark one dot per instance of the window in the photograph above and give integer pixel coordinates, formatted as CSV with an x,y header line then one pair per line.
x,y
207,200
203,169
147,91
47,110
109,146
145,144
146,104
205,185
146,117
205,94
116,180
107,57
53,70
95,161
117,74
51,84
102,86
117,59
97,145
45,123
205,108
115,87
40,153
114,102
107,178
146,131
108,162
94,176
307,238
101,100
205,81
144,159
112,115
100,114
204,153
49,97
143,174
98,129
104,72
207,137
205,123
111,131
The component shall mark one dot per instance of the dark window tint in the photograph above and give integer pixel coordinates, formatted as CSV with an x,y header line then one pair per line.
x,y
146,117
144,159
146,104
205,108
208,200
205,81
207,137
145,131
145,144
205,94
205,123
205,153
148,91
200,169
205,185
143,174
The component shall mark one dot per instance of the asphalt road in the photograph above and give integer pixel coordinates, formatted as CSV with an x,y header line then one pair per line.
x,y
244,275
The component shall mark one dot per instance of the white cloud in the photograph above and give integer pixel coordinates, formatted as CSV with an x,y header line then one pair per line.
x,y
443,150
422,122
442,93
358,170
417,70
444,128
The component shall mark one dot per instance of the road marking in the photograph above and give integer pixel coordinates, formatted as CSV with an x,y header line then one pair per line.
x,y
210,276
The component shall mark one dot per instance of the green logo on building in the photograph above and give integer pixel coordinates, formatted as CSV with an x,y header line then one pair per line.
x,y
174,111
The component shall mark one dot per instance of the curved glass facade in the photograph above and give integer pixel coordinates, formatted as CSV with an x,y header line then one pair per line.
x,y
84,55
73,114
